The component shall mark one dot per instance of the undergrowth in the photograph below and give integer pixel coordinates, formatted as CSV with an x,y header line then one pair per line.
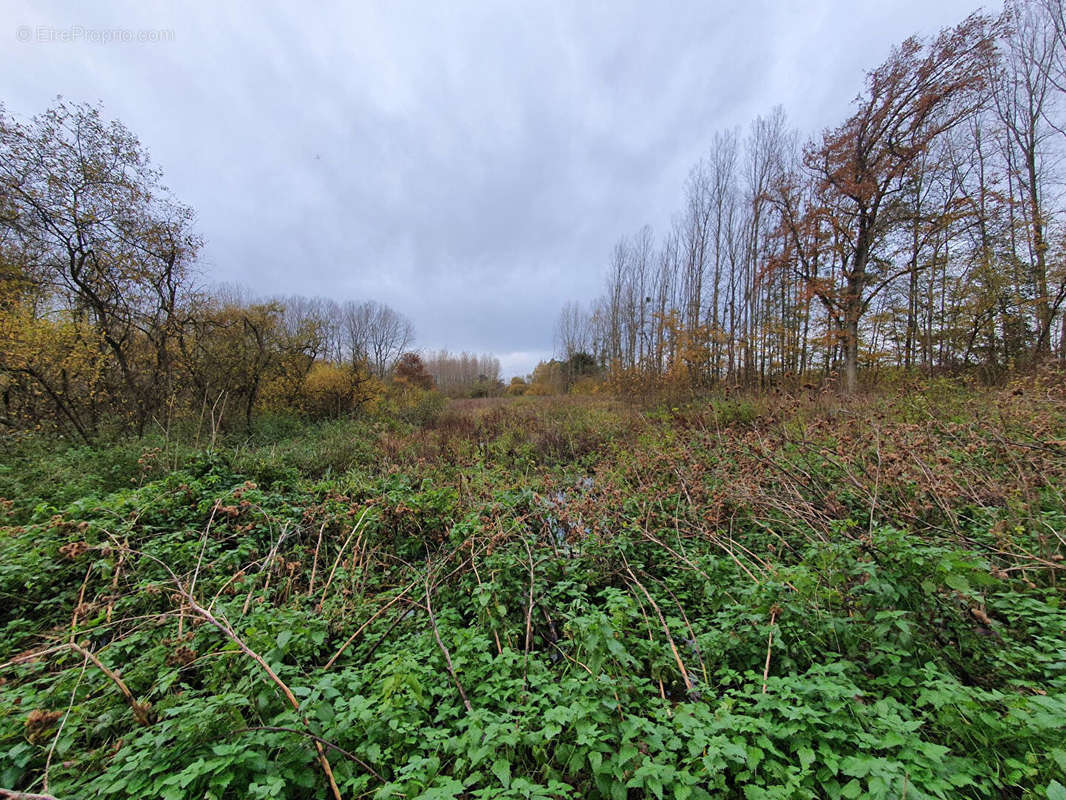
x,y
737,597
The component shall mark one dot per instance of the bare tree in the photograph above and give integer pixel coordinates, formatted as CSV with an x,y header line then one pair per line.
x,y
1023,94
375,333
572,332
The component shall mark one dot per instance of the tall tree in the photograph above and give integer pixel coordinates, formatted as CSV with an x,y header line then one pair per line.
x,y
100,237
1023,95
375,334
921,91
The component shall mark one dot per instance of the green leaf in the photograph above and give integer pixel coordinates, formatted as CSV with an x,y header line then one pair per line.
x,y
1060,758
450,789
501,768
595,760
1056,791
857,766
958,582
755,755
626,752
851,789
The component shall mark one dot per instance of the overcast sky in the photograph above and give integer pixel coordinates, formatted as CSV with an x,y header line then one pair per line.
x,y
470,164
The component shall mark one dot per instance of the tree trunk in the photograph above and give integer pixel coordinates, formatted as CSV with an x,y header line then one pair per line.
x,y
851,353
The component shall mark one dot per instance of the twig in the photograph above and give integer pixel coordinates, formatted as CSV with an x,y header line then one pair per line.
x,y
691,632
364,626
443,649
319,740
769,648
77,607
340,553
11,794
651,638
877,481
199,561
666,629
473,564
25,658
114,583
402,594
203,543
529,607
268,565
314,561
59,732
388,632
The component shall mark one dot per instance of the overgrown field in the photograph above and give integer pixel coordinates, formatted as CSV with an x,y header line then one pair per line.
x,y
751,598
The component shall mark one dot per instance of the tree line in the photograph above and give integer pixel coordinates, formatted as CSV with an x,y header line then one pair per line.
x,y
465,374
103,323
924,231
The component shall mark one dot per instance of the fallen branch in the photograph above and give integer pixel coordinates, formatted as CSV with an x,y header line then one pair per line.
x,y
141,711
11,794
227,630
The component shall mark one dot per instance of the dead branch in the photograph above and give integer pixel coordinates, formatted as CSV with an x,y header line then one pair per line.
x,y
666,628
227,630
11,794
141,711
